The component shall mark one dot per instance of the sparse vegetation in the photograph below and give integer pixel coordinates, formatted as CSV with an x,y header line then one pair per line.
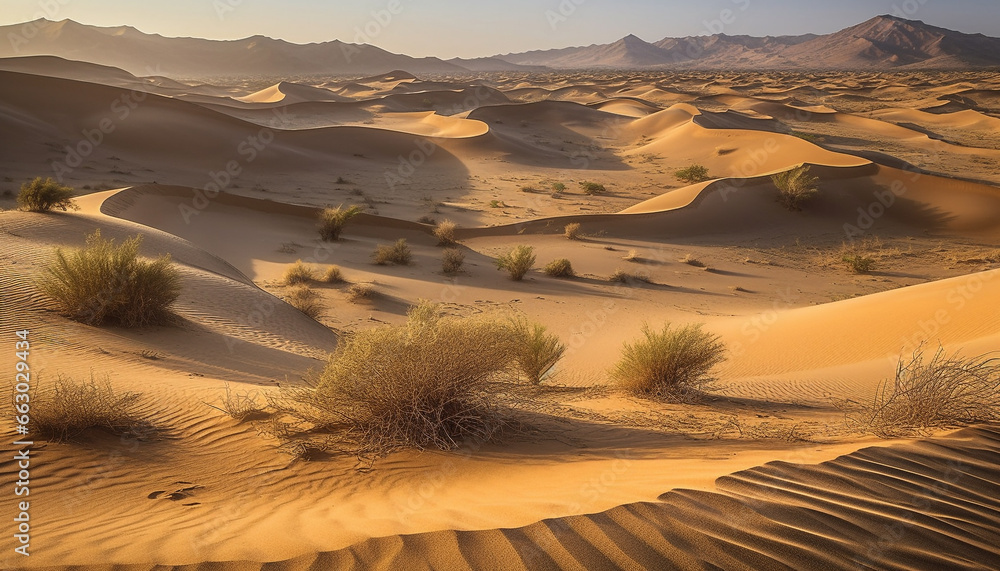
x,y
304,299
427,220
240,406
517,261
693,174
536,350
859,263
333,220
561,268
106,283
625,277
433,383
592,188
497,204
452,261
558,187
528,189
862,256
361,292
43,195
632,256
299,273
334,275
399,253
795,187
572,231
942,392
692,261
445,233
673,363
68,408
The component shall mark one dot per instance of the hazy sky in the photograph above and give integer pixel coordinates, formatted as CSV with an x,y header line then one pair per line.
x,y
449,28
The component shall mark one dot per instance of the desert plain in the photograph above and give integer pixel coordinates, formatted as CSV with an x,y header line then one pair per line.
x,y
763,470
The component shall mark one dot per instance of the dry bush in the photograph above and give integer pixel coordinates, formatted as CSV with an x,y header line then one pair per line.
x,y
693,174
572,231
942,392
399,253
104,283
433,383
361,292
517,262
44,195
305,300
673,363
561,268
333,220
632,256
592,188
536,351
445,233
299,273
795,187
333,275
624,277
68,408
863,256
692,261
240,406
452,260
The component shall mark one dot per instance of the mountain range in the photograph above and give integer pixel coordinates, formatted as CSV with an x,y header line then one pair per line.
x,y
882,43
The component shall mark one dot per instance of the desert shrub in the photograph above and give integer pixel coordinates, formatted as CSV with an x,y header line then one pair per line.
x,y
68,408
859,263
625,277
536,351
572,231
692,261
333,275
399,253
673,363
517,262
107,283
44,195
452,260
528,189
361,292
862,256
632,256
561,268
433,383
693,174
944,391
240,406
299,273
445,233
592,188
795,187
497,204
305,300
427,220
558,187
333,220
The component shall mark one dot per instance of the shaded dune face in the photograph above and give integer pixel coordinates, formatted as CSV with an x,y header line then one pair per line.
x,y
229,177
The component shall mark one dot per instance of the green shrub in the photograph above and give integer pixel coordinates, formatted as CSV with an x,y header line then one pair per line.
x,y
536,350
672,363
693,174
399,253
592,188
561,268
795,187
104,283
452,260
517,261
299,273
859,263
44,195
333,220
558,187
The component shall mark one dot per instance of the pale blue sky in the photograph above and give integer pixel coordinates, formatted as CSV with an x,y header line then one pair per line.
x,y
449,28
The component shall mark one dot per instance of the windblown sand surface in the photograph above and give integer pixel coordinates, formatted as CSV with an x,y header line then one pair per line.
x,y
763,474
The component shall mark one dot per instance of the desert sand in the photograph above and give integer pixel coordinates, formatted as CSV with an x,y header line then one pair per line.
x,y
763,474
